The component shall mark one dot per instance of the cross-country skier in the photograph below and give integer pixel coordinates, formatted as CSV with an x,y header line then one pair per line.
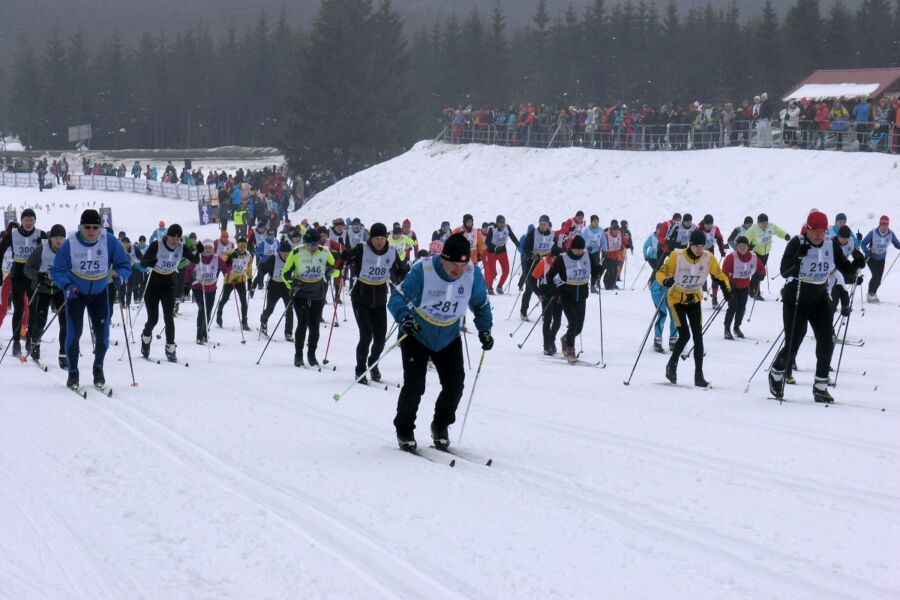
x,y
20,241
406,228
570,278
679,234
664,230
163,257
80,269
473,236
838,284
203,279
874,247
306,273
429,307
570,228
713,239
740,266
760,237
443,233
495,252
48,294
840,220
808,260
551,305
740,230
613,245
651,251
657,292
277,290
403,244
538,244
593,236
373,264
684,273
240,262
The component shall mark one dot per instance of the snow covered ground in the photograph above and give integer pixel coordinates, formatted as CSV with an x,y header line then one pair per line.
x,y
227,479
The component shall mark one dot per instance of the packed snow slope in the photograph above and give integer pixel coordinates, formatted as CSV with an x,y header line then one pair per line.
x,y
232,479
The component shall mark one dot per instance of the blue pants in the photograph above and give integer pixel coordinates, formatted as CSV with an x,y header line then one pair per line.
x,y
97,306
657,292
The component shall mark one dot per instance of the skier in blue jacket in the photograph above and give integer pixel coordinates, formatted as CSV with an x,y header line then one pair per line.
x,y
874,247
81,269
429,307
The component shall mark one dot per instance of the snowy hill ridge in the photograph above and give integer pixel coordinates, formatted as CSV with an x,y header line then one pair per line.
x,y
523,183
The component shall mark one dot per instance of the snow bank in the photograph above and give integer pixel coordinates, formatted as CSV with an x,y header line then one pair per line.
x,y
431,183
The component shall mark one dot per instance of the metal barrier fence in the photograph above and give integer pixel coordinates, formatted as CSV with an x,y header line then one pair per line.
x,y
848,136
178,191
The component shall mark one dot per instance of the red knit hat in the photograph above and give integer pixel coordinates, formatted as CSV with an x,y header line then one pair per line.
x,y
884,220
817,220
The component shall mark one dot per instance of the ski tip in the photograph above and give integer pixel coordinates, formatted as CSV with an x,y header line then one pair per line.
x,y
625,383
187,364
453,463
489,462
44,369
337,397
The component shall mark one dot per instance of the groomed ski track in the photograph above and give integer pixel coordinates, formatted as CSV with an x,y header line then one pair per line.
x,y
232,480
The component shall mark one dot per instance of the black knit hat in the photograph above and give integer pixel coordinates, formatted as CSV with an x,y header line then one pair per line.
x,y
708,220
845,232
741,239
174,230
456,249
28,213
577,243
377,230
698,238
687,217
90,217
467,217
284,246
762,218
748,220
312,237
57,231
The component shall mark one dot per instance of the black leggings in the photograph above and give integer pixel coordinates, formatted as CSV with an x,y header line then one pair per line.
x,y
875,266
309,313
737,307
205,301
275,292
448,362
817,315
160,295
552,319
575,316
372,322
21,294
241,289
689,321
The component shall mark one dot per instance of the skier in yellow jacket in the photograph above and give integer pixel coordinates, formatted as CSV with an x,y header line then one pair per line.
x,y
241,263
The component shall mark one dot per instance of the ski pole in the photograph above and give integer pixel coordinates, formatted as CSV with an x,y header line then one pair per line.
x,y
518,265
759,366
600,307
466,343
519,326
127,345
534,263
202,296
143,296
289,306
237,310
334,298
24,358
8,344
888,272
638,276
538,320
646,337
841,355
752,306
789,341
685,355
471,395
384,354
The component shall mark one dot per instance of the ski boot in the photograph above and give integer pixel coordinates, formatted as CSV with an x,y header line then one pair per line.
x,y
298,360
820,391
568,351
264,328
728,335
672,369
72,381
406,441
715,302
500,290
99,379
776,383
872,299
244,325
288,336
219,319
145,345
36,351
440,436
375,374
170,353
657,345
63,362
311,358
523,316
360,377
737,332
550,350
490,291
699,380
17,348
200,338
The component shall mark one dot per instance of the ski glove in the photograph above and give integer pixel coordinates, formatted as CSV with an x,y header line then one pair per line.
x,y
727,294
117,280
409,324
71,293
787,237
845,311
668,282
486,339
859,280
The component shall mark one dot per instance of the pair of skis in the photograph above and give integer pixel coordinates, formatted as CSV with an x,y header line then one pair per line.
x,y
432,454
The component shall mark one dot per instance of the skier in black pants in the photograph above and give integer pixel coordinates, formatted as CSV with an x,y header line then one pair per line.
x,y
21,241
276,290
429,306
306,273
570,278
684,273
811,257
372,263
538,243
163,257
38,270
203,279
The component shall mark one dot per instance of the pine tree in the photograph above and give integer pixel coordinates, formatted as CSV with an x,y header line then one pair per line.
x,y
840,33
112,99
53,102
876,44
767,53
26,90
803,29
596,49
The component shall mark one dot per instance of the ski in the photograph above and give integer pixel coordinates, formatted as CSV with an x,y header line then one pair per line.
x,y
858,342
78,390
827,404
38,364
104,389
157,361
683,385
420,454
466,456
561,360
